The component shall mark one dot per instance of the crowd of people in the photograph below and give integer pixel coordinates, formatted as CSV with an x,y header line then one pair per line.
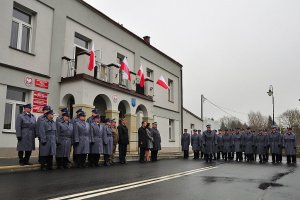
x,y
87,138
241,144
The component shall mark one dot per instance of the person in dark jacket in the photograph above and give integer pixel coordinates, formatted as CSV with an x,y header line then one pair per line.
x,y
185,143
97,138
25,132
195,144
156,142
142,140
123,140
47,133
64,136
82,140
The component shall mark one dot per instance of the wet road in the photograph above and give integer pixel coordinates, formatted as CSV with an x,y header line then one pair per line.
x,y
166,179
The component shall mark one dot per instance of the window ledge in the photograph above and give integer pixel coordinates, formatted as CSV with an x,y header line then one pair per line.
x,y
8,132
21,51
171,140
171,101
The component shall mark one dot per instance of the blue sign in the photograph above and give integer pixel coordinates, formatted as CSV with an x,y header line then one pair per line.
x,y
133,102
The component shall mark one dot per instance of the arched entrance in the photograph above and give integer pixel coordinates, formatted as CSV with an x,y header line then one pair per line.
x,y
68,101
102,103
123,109
141,112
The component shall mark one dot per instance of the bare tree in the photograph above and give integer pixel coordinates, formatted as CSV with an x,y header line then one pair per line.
x,y
230,122
257,120
290,118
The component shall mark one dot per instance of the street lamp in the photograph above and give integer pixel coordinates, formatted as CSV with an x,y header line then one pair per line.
x,y
271,93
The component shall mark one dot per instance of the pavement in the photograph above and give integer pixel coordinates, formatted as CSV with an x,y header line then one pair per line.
x,y
174,179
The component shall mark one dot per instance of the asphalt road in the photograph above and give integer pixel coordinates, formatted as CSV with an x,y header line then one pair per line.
x,y
167,179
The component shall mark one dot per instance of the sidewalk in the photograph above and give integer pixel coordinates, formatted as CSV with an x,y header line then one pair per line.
x,y
10,165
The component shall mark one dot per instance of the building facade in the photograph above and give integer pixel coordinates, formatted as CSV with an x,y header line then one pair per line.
x,y
44,58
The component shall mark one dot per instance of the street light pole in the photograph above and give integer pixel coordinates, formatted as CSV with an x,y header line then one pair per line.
x,y
271,93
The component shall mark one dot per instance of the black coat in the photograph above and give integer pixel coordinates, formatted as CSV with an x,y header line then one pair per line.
x,y
142,137
123,134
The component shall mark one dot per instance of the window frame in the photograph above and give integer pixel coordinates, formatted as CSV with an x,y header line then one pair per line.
x,y
122,82
151,73
20,31
171,130
171,90
14,104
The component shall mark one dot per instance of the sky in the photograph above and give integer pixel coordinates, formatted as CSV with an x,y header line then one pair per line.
x,y
231,50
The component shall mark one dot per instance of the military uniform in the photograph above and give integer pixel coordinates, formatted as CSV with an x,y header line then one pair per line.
x,y
290,145
238,146
25,132
227,142
195,145
115,136
261,145
209,142
156,143
274,142
65,135
96,148
249,146
185,144
47,133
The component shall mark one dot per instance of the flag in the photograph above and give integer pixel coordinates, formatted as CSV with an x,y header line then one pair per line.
x,y
92,59
161,81
125,69
141,76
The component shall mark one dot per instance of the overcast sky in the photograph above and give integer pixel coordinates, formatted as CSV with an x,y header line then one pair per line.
x,y
231,50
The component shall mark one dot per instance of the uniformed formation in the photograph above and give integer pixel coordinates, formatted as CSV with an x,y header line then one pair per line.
x,y
88,139
243,145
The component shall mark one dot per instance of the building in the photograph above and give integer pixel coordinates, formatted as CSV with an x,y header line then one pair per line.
x,y
191,121
45,47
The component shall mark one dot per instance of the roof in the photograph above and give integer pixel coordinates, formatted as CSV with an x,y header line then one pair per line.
x,y
194,115
127,31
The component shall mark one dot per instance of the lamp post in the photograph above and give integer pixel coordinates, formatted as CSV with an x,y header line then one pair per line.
x,y
271,93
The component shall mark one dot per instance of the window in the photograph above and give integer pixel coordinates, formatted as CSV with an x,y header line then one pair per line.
x,y
149,74
170,90
81,41
122,82
21,30
15,99
171,130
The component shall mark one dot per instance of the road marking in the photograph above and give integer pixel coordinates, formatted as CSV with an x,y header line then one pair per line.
x,y
19,167
118,188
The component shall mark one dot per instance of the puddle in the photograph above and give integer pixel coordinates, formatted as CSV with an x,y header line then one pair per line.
x,y
264,186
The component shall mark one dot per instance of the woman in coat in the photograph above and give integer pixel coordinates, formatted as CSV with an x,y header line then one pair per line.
x,y
97,138
47,134
64,136
82,139
108,142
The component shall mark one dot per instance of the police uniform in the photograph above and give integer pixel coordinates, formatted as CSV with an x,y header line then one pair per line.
x,y
195,144
290,145
185,143
209,141
108,142
25,132
91,118
227,142
238,146
97,138
275,144
261,145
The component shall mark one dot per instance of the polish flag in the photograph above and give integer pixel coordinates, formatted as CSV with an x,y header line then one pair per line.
x,y
142,76
125,69
92,59
161,81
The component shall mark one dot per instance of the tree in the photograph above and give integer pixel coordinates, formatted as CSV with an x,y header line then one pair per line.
x,y
291,118
257,121
230,123
270,122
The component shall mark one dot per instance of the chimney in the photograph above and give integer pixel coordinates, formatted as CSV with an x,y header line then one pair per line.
x,y
147,39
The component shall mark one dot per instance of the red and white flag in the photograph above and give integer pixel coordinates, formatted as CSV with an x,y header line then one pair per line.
x,y
141,76
161,81
125,69
92,59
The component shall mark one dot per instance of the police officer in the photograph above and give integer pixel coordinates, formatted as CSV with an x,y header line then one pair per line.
x,y
94,113
290,145
82,139
185,143
195,144
47,133
227,142
220,144
42,118
200,143
65,135
97,138
115,136
25,132
156,142
123,140
209,141
76,118
249,145
238,146
108,142
60,118
261,145
275,143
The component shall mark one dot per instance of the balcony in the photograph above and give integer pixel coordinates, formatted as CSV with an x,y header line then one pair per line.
x,y
106,75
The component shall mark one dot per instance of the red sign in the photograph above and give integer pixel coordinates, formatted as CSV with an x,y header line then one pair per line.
x,y
39,95
41,83
39,101
37,109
